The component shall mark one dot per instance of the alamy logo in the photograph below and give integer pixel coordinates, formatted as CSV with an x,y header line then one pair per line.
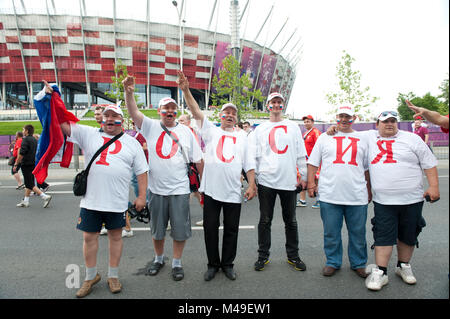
x,y
73,279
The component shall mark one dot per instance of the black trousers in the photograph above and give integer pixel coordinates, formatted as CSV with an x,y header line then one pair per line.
x,y
267,197
211,222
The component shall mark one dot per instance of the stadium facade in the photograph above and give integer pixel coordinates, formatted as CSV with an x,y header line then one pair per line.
x,y
79,54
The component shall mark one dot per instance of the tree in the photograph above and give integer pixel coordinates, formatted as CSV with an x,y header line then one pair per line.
x,y
117,90
427,101
443,109
350,91
234,88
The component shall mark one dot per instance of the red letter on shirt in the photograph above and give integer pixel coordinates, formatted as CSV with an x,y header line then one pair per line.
x,y
159,145
272,143
340,153
387,151
118,147
219,149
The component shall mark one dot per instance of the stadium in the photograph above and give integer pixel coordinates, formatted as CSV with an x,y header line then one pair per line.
x,y
78,51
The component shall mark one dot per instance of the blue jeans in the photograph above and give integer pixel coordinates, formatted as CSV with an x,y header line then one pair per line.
x,y
355,218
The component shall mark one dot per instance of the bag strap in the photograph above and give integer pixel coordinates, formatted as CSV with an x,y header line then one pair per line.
x,y
101,149
179,144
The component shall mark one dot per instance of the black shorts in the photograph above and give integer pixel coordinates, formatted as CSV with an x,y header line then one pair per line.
x,y
28,177
392,222
91,221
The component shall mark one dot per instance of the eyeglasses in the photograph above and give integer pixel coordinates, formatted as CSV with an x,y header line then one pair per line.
x,y
386,113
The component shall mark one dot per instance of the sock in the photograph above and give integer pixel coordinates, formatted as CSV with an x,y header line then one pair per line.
x,y
91,273
26,199
159,259
401,262
176,263
384,269
113,272
43,195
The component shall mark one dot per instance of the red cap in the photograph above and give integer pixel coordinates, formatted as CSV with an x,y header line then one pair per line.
x,y
419,118
308,117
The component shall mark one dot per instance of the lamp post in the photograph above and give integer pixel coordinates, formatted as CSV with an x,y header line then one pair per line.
x,y
180,20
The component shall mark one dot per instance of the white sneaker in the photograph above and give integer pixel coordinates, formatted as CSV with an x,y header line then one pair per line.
x,y
47,200
406,273
23,204
199,223
376,280
301,203
104,231
127,233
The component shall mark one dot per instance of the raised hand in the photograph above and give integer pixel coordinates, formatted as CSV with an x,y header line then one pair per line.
x,y
48,88
128,84
182,81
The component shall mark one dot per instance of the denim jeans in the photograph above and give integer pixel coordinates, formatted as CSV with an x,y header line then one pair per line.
x,y
267,198
355,218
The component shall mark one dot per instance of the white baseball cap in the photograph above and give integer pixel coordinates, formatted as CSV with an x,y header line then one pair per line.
x,y
228,105
115,108
274,95
167,100
346,109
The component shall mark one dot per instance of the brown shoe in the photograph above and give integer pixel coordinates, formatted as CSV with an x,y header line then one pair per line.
x,y
87,285
114,285
361,272
328,271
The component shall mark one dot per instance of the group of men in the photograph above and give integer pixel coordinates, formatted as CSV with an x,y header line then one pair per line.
x,y
384,165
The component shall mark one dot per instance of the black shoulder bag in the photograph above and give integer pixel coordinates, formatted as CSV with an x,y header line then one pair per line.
x,y
194,178
80,181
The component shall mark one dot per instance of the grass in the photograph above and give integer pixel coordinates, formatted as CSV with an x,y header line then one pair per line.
x,y
10,128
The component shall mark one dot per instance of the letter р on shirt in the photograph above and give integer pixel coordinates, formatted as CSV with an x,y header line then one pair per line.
x,y
167,167
395,165
344,162
276,147
110,173
226,154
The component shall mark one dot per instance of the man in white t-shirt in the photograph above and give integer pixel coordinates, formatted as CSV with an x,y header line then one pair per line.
x,y
168,176
278,149
106,198
343,191
396,161
225,157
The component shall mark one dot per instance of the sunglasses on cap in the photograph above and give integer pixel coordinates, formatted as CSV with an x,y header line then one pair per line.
x,y
386,113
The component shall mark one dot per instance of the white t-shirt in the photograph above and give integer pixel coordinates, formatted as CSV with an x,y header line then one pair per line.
x,y
225,157
344,162
110,173
277,148
395,165
167,167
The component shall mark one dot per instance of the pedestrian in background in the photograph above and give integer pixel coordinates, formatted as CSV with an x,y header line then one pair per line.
x,y
26,160
14,152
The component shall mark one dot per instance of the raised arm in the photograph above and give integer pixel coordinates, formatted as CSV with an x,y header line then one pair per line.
x,y
183,84
431,116
130,102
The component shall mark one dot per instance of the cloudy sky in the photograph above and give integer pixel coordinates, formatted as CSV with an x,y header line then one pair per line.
x,y
399,45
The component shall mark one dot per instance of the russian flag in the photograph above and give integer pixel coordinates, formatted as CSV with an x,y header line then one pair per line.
x,y
51,112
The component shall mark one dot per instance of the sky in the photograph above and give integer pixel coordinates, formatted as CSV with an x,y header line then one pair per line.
x,y
399,46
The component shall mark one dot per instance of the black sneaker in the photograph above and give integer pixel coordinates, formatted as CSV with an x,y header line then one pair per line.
x,y
297,263
154,268
259,264
177,273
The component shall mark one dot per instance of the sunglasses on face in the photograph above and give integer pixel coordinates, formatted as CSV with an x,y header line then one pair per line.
x,y
386,113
